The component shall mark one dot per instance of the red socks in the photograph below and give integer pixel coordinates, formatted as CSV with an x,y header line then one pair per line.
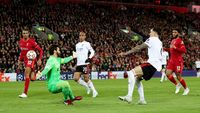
x,y
171,78
182,81
26,85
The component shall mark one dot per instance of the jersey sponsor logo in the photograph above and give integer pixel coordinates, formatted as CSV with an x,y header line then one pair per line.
x,y
22,48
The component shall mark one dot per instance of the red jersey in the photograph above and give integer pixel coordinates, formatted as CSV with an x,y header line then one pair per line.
x,y
26,45
177,49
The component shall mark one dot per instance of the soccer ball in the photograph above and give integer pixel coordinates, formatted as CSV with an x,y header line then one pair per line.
x,y
31,55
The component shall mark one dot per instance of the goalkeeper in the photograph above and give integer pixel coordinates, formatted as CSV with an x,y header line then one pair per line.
x,y
52,73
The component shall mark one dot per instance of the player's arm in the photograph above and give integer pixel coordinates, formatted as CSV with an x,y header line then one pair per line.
x,y
21,56
135,49
181,48
91,50
47,68
68,59
40,51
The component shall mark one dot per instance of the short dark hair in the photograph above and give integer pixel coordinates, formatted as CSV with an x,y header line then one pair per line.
x,y
25,28
157,30
52,48
177,29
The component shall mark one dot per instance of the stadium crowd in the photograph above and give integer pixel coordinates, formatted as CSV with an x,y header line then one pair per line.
x,y
102,26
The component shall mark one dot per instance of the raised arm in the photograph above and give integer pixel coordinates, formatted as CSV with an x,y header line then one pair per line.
x,y
135,49
48,67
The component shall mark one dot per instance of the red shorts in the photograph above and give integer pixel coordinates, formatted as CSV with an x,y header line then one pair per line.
x,y
175,66
30,63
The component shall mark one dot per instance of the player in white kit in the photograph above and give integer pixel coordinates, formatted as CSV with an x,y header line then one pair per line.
x,y
165,57
83,48
146,70
198,67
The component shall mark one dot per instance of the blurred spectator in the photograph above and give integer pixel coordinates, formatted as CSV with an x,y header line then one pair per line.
x,y
102,26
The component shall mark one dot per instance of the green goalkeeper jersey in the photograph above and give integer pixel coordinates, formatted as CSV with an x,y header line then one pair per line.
x,y
52,68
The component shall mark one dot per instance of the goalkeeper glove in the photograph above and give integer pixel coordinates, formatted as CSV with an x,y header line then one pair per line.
x,y
38,75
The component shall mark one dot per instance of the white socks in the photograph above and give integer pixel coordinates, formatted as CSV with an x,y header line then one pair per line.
x,y
198,74
131,83
83,83
163,76
90,84
140,90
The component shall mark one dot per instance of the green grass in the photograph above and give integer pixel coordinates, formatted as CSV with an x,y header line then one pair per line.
x,y
160,98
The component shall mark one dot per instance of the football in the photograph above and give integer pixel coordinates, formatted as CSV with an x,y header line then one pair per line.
x,y
31,55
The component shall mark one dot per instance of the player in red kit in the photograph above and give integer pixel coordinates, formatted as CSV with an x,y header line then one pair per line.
x,y
26,43
175,63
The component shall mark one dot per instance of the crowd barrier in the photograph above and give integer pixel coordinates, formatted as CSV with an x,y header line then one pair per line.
x,y
7,77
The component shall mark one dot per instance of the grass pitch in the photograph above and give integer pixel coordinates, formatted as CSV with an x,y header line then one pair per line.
x,y
159,96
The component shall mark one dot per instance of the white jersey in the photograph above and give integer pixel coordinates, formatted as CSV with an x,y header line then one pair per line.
x,y
165,57
197,64
154,52
82,50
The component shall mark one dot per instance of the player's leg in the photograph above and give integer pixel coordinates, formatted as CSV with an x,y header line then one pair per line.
x,y
178,72
198,72
182,81
169,75
132,76
30,66
169,70
146,72
163,75
90,85
140,92
64,87
33,76
27,82
77,78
